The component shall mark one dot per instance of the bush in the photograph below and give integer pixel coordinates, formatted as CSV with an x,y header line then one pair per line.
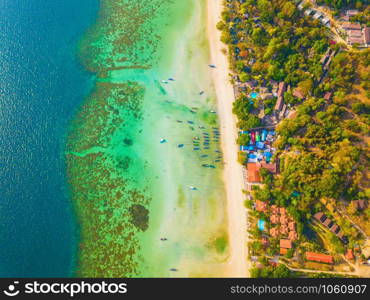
x,y
243,139
251,122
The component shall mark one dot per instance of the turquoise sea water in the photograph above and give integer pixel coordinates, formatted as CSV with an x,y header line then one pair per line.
x,y
42,83
139,215
74,142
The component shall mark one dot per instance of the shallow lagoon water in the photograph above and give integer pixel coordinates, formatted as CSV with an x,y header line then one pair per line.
x,y
139,215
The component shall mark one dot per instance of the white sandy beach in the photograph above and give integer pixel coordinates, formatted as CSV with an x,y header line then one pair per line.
x,y
233,175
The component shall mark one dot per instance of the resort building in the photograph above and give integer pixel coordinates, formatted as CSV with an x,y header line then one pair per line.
x,y
254,168
284,230
329,224
253,173
261,206
360,204
280,95
349,255
274,219
319,257
356,34
287,244
274,209
328,96
351,12
351,26
298,93
293,235
274,232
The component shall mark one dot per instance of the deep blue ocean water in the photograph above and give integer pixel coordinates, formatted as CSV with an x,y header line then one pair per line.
x,y
41,87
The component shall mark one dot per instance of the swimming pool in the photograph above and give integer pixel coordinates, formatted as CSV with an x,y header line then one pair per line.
x,y
253,95
261,225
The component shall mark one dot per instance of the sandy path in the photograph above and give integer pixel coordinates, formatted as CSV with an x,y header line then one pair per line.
x,y
238,265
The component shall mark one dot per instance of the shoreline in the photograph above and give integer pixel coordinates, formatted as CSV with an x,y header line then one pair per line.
x,y
124,179
238,265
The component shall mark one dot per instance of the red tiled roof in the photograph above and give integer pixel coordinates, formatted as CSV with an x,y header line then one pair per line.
x,y
274,209
320,216
274,232
253,172
283,219
293,235
282,210
351,26
298,93
261,206
349,254
354,33
272,167
340,234
355,40
274,219
284,230
243,53
335,229
285,244
319,257
328,223
291,225
283,251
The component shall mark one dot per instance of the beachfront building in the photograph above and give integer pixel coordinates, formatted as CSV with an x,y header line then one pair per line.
x,y
253,173
285,245
254,168
261,206
259,153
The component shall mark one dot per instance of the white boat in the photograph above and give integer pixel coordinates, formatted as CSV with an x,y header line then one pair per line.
x,y
162,141
164,81
192,188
